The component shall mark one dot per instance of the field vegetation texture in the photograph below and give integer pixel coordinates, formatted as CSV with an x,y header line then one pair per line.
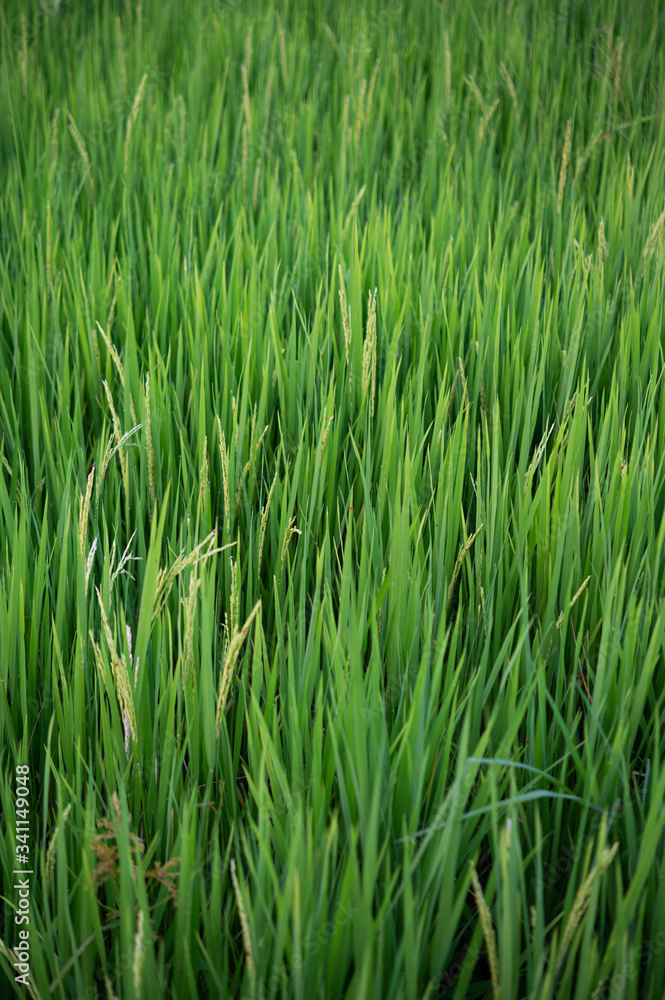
x,y
332,498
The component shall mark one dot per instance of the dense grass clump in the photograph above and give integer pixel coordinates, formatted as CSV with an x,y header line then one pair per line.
x,y
332,498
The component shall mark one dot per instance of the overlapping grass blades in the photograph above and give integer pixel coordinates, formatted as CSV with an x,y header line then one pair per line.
x,y
446,521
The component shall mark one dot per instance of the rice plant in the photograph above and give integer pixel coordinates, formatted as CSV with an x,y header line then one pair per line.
x,y
332,499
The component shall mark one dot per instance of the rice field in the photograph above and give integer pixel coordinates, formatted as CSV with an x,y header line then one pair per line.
x,y
332,500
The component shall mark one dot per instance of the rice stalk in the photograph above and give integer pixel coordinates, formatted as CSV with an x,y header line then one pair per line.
x,y
369,351
460,559
225,476
580,591
511,89
118,438
346,321
654,236
80,145
84,512
234,646
370,92
264,523
335,44
246,935
581,902
54,143
484,121
53,843
473,86
563,171
133,115
120,677
139,956
203,478
245,97
190,612
89,562
167,577
533,465
360,113
148,444
488,933
583,160
231,623
255,189
115,357
290,531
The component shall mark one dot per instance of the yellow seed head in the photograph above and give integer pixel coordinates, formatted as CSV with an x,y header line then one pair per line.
x,y
190,611
148,443
85,512
88,565
245,97
324,434
203,476
511,89
137,965
167,577
120,673
114,354
288,534
264,523
133,115
460,559
119,440
488,934
581,901
244,923
225,475
370,92
573,599
80,145
476,92
255,191
235,643
369,351
54,140
53,843
346,320
485,119
564,164
654,239
360,114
